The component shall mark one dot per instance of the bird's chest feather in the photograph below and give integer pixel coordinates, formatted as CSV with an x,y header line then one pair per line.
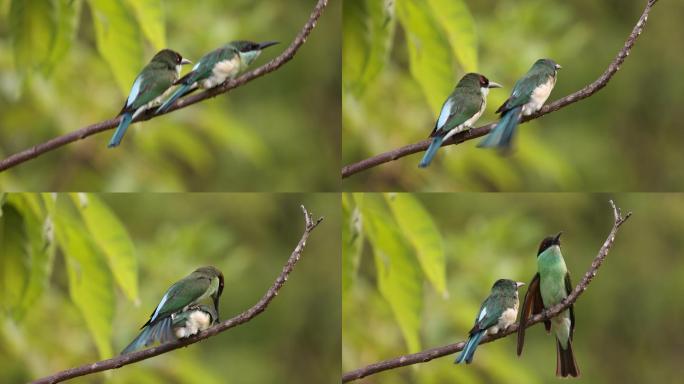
x,y
197,321
507,318
539,96
222,71
552,271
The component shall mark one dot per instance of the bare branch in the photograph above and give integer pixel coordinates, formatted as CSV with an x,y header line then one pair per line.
x,y
429,354
474,133
249,314
92,129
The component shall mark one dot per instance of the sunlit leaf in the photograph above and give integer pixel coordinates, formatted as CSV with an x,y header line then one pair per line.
x,y
430,56
13,258
400,279
418,227
68,12
150,15
352,242
455,18
113,239
32,27
118,40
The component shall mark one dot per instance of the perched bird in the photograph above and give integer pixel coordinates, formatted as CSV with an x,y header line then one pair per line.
x,y
528,96
216,67
550,286
148,89
498,312
202,284
460,111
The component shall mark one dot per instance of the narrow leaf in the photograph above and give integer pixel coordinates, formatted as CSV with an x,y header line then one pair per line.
x,y
13,258
150,15
352,242
68,12
32,27
418,227
455,18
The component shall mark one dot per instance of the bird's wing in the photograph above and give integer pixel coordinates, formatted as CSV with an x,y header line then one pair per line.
x,y
568,289
179,295
522,90
489,314
456,110
205,66
532,304
147,87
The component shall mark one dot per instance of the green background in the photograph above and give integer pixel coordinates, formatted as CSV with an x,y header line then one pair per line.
x,y
259,137
627,137
628,321
249,237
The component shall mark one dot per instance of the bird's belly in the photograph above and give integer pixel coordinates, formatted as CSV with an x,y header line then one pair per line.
x,y
507,318
198,321
222,71
539,97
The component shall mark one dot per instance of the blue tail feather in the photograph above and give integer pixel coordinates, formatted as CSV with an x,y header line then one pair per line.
x,y
120,130
470,347
502,134
431,151
159,332
175,96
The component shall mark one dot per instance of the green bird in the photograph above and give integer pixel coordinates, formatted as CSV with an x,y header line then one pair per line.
x,y
216,67
148,89
202,284
460,111
528,96
550,286
498,312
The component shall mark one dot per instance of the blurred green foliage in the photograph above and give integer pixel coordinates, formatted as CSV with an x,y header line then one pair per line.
x,y
70,63
628,321
624,138
70,266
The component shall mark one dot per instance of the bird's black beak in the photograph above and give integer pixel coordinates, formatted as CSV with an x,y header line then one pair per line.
x,y
556,240
267,44
185,61
217,295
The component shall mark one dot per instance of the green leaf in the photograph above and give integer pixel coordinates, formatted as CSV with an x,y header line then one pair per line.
x,y
368,31
429,52
68,12
118,40
352,242
32,28
13,258
112,237
399,277
150,15
90,283
456,20
419,228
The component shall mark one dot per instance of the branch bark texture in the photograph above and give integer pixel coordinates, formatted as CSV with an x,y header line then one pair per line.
x,y
92,129
249,314
429,354
474,133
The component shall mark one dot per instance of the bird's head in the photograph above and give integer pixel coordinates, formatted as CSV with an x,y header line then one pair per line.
x,y
506,285
477,80
249,50
170,58
549,242
548,63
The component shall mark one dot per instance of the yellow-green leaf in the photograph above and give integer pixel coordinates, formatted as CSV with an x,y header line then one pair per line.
x,y
150,15
418,227
455,18
400,280
68,12
32,27
13,258
112,237
118,40
430,56
352,242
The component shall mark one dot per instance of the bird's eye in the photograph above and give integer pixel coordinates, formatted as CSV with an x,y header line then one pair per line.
x,y
483,81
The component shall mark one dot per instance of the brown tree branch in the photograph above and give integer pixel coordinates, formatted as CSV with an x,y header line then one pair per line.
x,y
474,133
433,353
92,129
249,314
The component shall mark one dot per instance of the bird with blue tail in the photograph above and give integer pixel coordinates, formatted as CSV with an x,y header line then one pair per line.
x,y
549,287
498,312
180,311
149,89
460,111
528,96
216,67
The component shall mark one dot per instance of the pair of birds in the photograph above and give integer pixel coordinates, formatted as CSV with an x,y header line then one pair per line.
x,y
153,84
550,286
467,102
182,311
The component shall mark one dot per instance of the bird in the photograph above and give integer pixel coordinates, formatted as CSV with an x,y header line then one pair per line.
x,y
149,88
549,287
498,312
528,96
460,111
202,284
216,67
